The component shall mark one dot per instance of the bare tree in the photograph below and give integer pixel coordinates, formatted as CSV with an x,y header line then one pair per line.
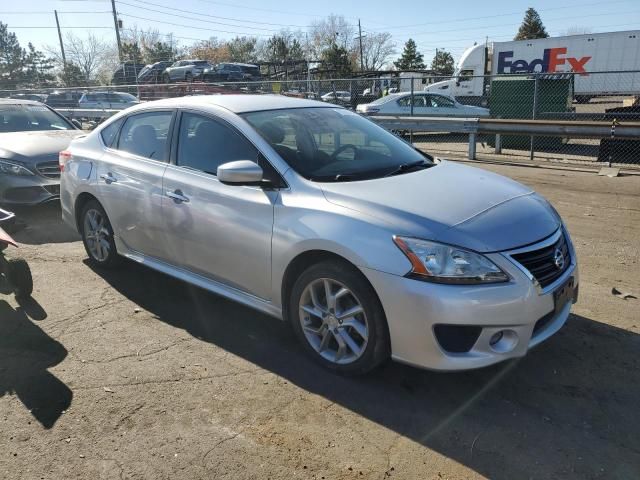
x,y
88,53
376,50
333,30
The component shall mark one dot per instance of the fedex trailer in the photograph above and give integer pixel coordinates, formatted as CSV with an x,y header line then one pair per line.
x,y
616,53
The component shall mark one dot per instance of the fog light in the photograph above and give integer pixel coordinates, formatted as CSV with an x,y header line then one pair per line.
x,y
503,341
496,337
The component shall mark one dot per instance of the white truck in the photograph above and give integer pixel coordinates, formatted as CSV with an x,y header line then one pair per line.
x,y
615,52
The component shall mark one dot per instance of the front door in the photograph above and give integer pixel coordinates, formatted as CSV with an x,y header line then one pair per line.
x,y
219,231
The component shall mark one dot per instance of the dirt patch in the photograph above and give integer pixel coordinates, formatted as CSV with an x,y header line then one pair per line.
x,y
131,374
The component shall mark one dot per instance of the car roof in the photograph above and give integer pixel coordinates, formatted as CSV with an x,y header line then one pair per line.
x,y
236,103
18,101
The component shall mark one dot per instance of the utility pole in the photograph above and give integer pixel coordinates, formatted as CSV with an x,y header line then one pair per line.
x,y
360,38
435,62
64,58
115,24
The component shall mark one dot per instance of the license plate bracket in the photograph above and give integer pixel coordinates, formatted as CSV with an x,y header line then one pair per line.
x,y
563,294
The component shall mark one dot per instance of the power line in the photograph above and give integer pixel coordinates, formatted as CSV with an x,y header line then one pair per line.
x,y
483,27
466,19
48,12
197,19
192,27
214,16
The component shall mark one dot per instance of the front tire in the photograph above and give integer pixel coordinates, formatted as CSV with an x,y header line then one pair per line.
x,y
97,236
338,317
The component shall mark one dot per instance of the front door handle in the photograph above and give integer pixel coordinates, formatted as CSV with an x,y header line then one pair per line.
x,y
178,196
108,178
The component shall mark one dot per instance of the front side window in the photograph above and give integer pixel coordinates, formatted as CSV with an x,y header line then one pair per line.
x,y
204,144
30,117
465,75
333,144
146,135
442,102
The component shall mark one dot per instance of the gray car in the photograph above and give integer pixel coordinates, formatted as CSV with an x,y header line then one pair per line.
x,y
107,100
31,136
311,213
185,70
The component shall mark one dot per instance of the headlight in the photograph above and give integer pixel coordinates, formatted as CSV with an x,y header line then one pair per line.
x,y
437,262
10,168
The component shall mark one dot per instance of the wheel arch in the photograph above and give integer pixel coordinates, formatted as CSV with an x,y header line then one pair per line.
x,y
82,199
304,260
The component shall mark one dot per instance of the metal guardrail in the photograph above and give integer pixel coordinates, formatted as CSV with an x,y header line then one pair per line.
x,y
86,112
475,126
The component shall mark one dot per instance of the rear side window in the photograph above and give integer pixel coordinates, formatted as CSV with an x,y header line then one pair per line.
x,y
147,135
204,144
109,132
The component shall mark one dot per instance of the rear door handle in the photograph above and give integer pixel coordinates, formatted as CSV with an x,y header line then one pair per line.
x,y
108,178
178,197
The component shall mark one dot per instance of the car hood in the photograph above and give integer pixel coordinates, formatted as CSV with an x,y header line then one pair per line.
x,y
454,204
30,146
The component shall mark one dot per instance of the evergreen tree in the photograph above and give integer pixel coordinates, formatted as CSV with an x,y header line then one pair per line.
x,y
531,27
411,58
11,58
38,69
71,75
158,52
442,63
337,58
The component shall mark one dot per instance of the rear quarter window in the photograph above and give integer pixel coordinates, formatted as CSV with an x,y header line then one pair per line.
x,y
110,132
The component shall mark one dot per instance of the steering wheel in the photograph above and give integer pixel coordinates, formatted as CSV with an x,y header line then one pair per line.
x,y
341,149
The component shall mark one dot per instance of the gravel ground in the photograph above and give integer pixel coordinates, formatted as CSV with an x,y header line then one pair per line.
x,y
130,374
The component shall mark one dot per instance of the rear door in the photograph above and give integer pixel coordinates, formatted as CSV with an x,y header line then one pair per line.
x,y
130,180
220,231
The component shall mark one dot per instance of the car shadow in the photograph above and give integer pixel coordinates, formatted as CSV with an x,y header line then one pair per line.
x,y
41,224
26,354
570,403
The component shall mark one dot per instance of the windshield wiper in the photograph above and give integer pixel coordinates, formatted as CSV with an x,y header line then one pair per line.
x,y
405,167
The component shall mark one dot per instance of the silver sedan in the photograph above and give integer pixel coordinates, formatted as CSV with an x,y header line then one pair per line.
x,y
425,104
313,214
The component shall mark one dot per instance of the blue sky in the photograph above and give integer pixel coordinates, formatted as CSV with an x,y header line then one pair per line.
x,y
452,25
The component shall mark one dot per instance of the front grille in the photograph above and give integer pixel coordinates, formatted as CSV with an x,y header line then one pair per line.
x,y
48,169
542,264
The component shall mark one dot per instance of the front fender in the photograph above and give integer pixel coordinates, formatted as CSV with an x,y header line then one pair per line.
x,y
314,224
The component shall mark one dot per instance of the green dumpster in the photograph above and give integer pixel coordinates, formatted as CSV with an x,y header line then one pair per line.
x,y
514,97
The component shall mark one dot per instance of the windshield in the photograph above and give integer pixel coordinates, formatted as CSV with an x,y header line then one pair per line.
x,y
334,144
25,118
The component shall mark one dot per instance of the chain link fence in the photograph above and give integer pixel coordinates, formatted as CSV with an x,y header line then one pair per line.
x,y
612,98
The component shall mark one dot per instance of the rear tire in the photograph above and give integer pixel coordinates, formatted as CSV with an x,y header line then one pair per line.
x,y
97,236
345,342
19,276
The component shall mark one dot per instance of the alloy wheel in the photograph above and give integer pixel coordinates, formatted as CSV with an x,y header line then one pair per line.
x,y
97,235
333,321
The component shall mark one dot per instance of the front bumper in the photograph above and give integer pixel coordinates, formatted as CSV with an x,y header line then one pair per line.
x,y
414,308
28,190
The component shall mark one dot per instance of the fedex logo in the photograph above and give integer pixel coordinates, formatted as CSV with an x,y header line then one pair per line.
x,y
549,63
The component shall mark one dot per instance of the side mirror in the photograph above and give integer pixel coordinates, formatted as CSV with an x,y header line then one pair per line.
x,y
240,172
76,123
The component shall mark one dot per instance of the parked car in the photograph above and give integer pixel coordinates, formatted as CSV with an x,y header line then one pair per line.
x,y
232,72
107,100
36,97
185,70
31,135
127,73
63,99
153,73
312,213
423,104
338,97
